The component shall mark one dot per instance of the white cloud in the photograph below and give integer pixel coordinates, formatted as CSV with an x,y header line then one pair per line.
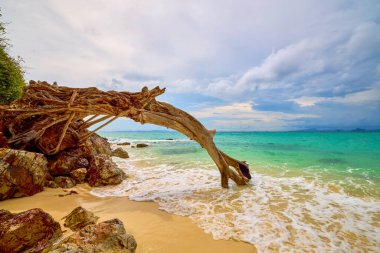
x,y
235,110
240,116
308,101
361,97
291,62
245,111
337,63
77,43
249,125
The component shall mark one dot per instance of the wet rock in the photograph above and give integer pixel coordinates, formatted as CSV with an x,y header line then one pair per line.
x,y
79,218
22,173
107,236
141,145
119,152
31,230
64,182
98,145
79,175
103,171
66,161
124,144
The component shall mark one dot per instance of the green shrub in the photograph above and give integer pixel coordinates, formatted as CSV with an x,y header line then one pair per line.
x,y
11,75
11,79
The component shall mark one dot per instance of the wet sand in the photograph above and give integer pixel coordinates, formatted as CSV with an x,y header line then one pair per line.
x,y
154,230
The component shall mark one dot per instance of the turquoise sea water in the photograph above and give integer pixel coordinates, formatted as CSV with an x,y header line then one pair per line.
x,y
310,191
349,159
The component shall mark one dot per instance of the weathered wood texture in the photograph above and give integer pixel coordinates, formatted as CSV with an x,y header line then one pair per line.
x,y
53,118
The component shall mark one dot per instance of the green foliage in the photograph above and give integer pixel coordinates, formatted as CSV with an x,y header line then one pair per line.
x,y
11,79
3,40
11,75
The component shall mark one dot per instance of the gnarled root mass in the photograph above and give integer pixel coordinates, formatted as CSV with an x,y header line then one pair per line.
x,y
52,118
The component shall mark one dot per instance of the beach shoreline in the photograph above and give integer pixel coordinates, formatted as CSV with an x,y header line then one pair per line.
x,y
172,199
154,230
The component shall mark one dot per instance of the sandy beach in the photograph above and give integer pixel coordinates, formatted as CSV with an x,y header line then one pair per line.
x,y
154,230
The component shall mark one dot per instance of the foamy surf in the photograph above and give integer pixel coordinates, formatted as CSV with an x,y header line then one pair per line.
x,y
275,214
134,141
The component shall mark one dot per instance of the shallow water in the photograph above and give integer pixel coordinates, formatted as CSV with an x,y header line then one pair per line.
x,y
309,191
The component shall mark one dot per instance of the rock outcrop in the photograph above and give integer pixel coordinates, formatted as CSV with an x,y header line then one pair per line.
x,y
31,230
89,162
22,173
103,171
141,145
119,152
36,231
66,161
98,145
79,218
107,236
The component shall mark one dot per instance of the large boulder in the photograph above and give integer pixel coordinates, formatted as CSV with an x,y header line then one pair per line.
x,y
103,171
64,162
22,173
107,236
98,145
31,230
119,152
79,218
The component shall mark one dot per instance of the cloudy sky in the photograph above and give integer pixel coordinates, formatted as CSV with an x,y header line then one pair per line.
x,y
247,65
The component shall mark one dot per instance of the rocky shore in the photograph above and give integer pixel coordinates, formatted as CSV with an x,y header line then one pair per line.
x,y
36,231
25,173
63,181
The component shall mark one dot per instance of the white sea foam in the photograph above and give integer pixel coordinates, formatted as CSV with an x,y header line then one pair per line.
x,y
134,141
275,214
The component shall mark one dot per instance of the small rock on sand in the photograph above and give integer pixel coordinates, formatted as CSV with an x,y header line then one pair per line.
x,y
119,152
79,218
64,182
107,236
124,144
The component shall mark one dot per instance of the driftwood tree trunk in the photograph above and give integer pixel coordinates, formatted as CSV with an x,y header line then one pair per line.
x,y
52,118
